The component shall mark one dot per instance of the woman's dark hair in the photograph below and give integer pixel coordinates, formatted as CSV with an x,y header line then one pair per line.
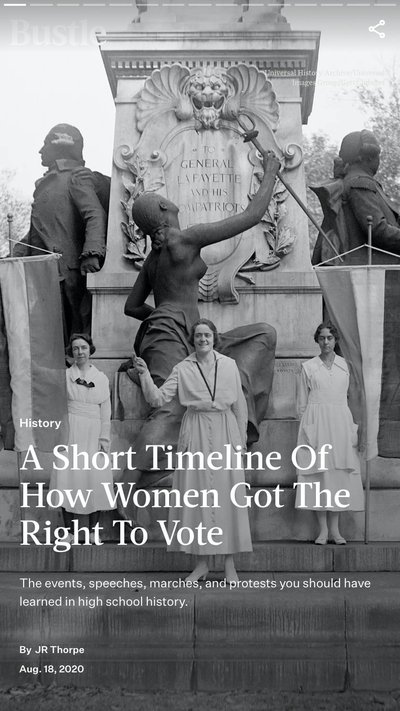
x,y
211,326
85,337
330,327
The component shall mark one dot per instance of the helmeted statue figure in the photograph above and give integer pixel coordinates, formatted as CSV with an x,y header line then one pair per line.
x,y
350,199
172,271
69,216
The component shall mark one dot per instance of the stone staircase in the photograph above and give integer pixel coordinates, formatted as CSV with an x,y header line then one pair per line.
x,y
313,634
267,557
323,631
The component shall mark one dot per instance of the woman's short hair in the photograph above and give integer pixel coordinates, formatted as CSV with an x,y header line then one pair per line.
x,y
330,327
85,337
211,326
148,211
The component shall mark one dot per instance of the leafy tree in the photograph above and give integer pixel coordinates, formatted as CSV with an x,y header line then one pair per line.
x,y
382,107
382,110
11,202
319,153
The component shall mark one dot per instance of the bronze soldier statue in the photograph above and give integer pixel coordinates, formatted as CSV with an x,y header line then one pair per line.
x,y
69,217
350,199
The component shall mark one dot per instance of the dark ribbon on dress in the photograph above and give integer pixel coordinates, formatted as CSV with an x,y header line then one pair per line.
x,y
81,381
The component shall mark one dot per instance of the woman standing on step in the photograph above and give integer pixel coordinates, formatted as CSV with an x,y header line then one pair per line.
x,y
208,384
326,419
89,412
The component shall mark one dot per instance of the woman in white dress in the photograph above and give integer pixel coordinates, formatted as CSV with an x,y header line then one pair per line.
x,y
326,419
208,384
89,412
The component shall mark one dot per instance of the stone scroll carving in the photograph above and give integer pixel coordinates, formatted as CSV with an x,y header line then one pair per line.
x,y
191,149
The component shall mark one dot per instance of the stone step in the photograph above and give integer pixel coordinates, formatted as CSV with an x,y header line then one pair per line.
x,y
272,523
266,523
275,436
153,557
319,634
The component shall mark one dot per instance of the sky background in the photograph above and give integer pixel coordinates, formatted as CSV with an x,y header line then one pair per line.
x,y
51,71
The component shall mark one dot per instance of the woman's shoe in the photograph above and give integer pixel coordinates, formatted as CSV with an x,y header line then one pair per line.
x,y
231,575
339,540
199,573
322,540
232,578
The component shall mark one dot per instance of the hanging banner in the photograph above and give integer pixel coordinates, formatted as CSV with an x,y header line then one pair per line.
x,y
363,302
32,360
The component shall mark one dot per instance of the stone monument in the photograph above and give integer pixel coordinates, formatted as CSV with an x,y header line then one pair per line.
x,y
187,82
184,79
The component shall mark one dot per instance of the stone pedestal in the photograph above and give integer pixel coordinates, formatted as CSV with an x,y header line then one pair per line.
x,y
258,49
183,80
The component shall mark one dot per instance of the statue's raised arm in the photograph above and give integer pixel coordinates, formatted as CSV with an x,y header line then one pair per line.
x,y
156,216
174,266
210,233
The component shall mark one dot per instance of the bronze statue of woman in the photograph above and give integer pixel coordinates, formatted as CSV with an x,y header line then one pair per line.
x,y
172,271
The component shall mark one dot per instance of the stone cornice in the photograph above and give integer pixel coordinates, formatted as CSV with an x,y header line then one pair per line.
x,y
133,36
134,55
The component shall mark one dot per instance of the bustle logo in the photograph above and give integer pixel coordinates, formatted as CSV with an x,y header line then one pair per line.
x,y
76,34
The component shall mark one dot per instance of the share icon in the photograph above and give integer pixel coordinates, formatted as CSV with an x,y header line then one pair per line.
x,y
381,35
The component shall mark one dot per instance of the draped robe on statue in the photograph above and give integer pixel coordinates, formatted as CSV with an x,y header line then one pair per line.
x,y
163,341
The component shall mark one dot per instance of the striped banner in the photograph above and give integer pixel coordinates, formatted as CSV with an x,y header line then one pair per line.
x,y
32,341
363,302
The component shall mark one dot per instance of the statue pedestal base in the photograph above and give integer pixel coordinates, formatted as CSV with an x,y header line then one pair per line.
x,y
288,301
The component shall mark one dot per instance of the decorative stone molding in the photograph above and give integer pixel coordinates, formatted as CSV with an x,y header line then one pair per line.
x,y
134,54
190,149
